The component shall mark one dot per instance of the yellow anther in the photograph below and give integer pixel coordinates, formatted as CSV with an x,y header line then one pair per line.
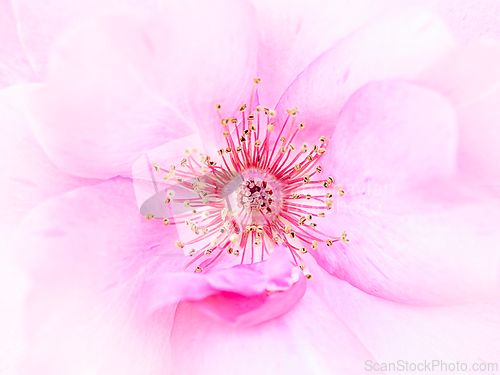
x,y
306,179
243,107
246,131
253,128
292,234
329,195
302,220
302,125
322,139
275,239
234,120
309,217
187,152
238,149
283,149
325,184
226,134
318,169
308,196
344,237
321,151
313,225
251,117
230,250
321,214
183,162
303,250
186,203
179,244
256,80
297,167
243,139
291,147
199,270
167,201
309,276
341,192
156,168
236,252
228,150
310,157
218,106
166,221
270,127
272,113
258,143
304,147
170,193
258,108
314,244
330,180
149,216
315,148
329,243
221,151
208,251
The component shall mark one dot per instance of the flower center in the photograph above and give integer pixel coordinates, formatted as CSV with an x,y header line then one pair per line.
x,y
261,192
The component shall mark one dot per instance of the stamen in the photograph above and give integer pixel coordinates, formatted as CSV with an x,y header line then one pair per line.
x,y
256,197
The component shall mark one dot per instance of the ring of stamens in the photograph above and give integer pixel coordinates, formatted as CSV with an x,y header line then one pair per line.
x,y
276,202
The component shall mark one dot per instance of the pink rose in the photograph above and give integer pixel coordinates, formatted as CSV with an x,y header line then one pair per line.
x,y
405,119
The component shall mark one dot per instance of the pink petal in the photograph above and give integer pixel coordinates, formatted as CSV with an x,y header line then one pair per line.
x,y
471,20
441,258
14,65
89,252
126,84
309,338
470,78
399,45
294,34
41,23
242,295
27,176
392,133
394,332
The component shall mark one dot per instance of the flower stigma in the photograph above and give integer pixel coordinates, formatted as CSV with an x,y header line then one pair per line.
x,y
262,191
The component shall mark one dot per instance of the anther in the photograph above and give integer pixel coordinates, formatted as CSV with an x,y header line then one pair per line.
x,y
149,216
166,221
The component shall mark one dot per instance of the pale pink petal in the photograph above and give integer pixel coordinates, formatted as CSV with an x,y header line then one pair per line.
x,y
121,85
392,133
293,34
27,175
397,45
15,66
393,332
41,23
308,339
89,253
471,20
470,78
242,295
439,258
414,238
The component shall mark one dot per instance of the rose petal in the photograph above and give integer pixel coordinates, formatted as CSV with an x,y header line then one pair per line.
x,y
309,338
126,84
394,134
294,34
399,45
15,67
43,22
89,252
410,334
470,78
